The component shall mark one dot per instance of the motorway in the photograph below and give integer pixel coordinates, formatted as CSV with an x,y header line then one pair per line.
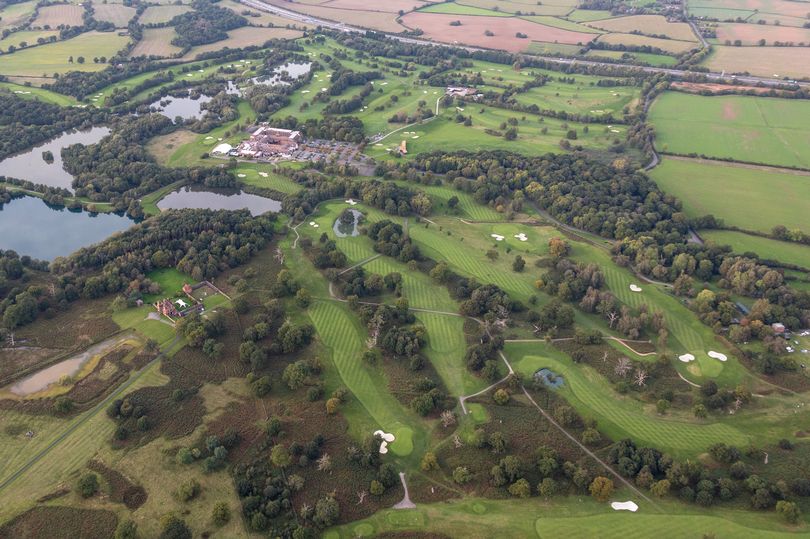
x,y
679,73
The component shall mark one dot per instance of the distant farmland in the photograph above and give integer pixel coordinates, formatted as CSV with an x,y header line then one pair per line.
x,y
734,127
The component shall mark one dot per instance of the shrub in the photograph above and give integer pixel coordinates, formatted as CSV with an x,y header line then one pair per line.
x,y
88,485
601,489
188,490
461,475
501,397
221,514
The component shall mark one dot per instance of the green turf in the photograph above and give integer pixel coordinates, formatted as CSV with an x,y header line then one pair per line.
x,y
557,22
619,416
149,202
171,282
646,57
31,92
460,9
263,176
790,253
29,37
565,517
748,198
744,128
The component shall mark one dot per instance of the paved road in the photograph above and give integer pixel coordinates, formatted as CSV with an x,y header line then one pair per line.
x,y
680,73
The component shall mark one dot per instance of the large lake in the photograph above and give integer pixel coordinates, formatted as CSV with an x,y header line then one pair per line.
x,y
31,227
32,167
194,197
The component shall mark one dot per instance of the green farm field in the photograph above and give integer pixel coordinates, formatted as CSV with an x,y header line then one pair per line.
x,y
453,8
53,57
645,57
29,37
742,128
749,198
15,14
783,251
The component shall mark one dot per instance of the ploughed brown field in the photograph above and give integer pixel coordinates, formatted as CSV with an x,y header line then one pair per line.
x,y
472,31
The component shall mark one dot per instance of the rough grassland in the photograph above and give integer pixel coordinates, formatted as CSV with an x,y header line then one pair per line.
x,y
53,58
741,128
156,42
790,253
745,197
117,14
791,62
53,16
652,59
647,24
159,14
453,8
550,7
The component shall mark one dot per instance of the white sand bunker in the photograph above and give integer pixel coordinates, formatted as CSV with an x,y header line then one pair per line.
x,y
304,91
521,237
635,288
387,439
614,131
201,71
209,138
497,237
415,136
313,224
242,175
263,174
717,355
189,74
351,202
379,144
686,358
624,506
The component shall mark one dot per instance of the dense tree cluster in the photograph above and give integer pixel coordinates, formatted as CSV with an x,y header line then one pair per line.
x,y
26,122
390,240
206,23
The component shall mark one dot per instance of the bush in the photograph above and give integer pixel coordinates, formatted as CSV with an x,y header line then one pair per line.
x,y
501,397
88,485
221,514
188,491
520,489
461,475
789,511
172,527
376,488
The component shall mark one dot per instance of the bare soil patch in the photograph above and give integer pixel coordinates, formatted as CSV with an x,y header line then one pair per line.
x,y
378,20
472,31
156,42
700,87
750,34
765,61
118,14
51,522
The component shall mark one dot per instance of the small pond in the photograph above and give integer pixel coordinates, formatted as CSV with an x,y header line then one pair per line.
x,y
31,227
345,229
185,107
195,197
549,378
31,166
69,367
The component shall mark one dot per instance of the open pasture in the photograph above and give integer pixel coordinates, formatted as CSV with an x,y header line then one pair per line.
x,y
53,57
749,198
29,37
741,128
454,8
647,24
244,37
777,62
672,46
58,15
472,31
558,22
14,15
118,14
649,58
525,7
156,42
751,34
161,14
783,251
775,7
